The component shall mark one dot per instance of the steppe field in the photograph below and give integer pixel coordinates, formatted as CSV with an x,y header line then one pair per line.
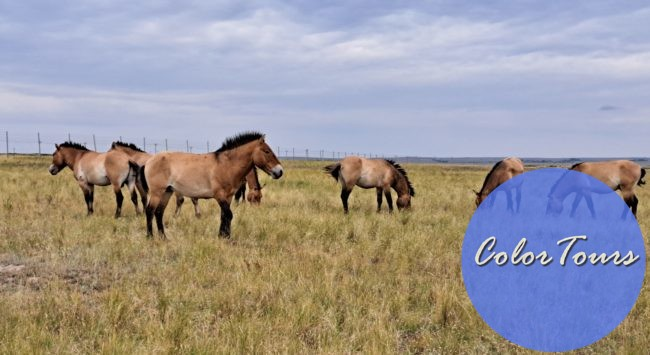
x,y
297,276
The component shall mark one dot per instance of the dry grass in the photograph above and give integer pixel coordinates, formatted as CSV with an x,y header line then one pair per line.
x,y
297,276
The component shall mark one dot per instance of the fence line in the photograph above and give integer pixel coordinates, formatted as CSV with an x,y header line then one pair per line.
x,y
35,145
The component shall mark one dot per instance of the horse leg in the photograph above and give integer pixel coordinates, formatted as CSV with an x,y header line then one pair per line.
x,y
241,192
576,202
179,203
635,203
629,201
389,200
345,193
197,211
142,192
119,198
160,210
226,218
509,198
518,197
590,205
152,205
134,196
88,196
379,197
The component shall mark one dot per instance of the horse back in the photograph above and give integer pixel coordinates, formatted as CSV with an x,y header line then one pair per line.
x,y
192,175
614,173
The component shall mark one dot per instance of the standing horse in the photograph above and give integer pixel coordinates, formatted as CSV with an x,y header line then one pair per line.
x,y
255,194
623,175
140,157
501,172
93,168
215,175
382,174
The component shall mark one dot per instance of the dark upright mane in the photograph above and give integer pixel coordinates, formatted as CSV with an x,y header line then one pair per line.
x,y
69,144
403,172
238,140
126,145
575,165
487,177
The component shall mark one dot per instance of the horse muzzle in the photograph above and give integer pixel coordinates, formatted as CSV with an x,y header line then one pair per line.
x,y
277,171
53,169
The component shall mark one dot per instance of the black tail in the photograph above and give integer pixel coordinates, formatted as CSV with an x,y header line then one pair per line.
x,y
139,175
641,181
333,170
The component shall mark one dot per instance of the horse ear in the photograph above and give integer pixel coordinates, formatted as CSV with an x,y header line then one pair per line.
x,y
476,192
57,146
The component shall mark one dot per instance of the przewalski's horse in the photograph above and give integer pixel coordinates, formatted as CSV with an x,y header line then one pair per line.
x,y
255,194
382,174
215,175
92,168
140,157
501,172
623,175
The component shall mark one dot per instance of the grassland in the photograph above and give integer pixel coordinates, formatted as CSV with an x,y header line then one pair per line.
x,y
297,276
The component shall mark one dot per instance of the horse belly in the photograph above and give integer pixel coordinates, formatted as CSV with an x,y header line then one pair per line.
x,y
367,182
193,189
96,176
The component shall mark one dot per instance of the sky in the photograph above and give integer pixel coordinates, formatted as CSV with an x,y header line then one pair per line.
x,y
422,78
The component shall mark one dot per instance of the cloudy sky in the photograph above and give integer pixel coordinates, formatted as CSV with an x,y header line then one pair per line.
x,y
427,78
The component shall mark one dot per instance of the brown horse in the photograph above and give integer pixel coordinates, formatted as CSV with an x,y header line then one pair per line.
x,y
93,168
382,174
501,172
215,175
140,157
255,194
623,175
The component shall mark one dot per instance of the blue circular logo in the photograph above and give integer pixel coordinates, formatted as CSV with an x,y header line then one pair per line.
x,y
553,260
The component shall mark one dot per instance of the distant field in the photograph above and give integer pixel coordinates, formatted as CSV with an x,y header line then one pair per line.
x,y
297,276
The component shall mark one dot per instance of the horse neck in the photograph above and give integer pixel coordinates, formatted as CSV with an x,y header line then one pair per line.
x,y
489,185
71,156
400,184
240,160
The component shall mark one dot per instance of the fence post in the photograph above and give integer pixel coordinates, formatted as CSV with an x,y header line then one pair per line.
x,y
69,139
94,145
7,141
187,145
293,150
307,153
208,147
155,148
38,134
166,144
144,144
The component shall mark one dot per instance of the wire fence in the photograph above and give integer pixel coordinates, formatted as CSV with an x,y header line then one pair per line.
x,y
37,143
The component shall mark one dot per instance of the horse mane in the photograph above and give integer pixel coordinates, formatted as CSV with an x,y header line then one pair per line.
x,y
127,145
70,144
401,170
575,165
238,141
487,177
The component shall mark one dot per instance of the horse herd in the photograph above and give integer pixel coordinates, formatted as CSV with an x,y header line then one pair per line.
x,y
225,173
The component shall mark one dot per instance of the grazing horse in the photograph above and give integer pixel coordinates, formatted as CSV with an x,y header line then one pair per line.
x,y
501,172
623,175
92,168
140,157
382,174
215,175
255,194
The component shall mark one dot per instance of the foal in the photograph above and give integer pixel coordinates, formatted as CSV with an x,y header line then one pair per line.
x,y
501,172
215,175
382,174
92,168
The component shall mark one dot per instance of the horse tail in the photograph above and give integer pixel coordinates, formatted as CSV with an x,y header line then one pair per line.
x,y
334,170
641,181
139,174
